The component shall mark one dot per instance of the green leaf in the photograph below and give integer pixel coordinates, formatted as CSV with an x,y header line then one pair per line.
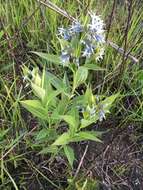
x,y
55,81
46,134
62,139
42,134
35,107
36,78
66,83
73,124
139,75
93,67
60,109
90,135
87,135
85,123
1,33
49,57
80,76
107,103
75,43
39,92
3,133
64,43
89,97
69,154
77,101
50,149
52,96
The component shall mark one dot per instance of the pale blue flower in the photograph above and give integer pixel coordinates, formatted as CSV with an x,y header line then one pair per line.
x,y
92,40
88,51
64,33
101,115
96,24
99,38
65,57
96,28
92,112
76,27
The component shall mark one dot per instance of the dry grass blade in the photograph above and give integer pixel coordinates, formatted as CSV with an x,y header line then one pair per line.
x,y
81,162
121,51
57,9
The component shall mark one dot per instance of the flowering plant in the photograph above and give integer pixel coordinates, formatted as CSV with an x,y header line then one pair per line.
x,y
58,99
82,41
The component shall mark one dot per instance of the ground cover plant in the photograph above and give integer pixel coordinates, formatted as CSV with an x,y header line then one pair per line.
x,y
71,85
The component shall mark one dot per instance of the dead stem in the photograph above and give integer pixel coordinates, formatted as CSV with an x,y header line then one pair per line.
x,y
81,162
111,19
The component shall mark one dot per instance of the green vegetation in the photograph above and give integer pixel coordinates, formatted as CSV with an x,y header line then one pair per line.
x,y
68,118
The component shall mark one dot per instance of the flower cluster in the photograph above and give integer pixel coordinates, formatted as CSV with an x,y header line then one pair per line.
x,y
68,33
83,41
94,111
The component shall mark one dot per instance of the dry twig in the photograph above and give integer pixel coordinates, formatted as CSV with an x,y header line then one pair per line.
x,y
81,162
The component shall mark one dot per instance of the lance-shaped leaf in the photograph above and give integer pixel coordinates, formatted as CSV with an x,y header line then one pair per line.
x,y
35,107
107,103
80,77
94,67
73,124
62,139
87,135
55,81
85,123
39,92
69,154
49,57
